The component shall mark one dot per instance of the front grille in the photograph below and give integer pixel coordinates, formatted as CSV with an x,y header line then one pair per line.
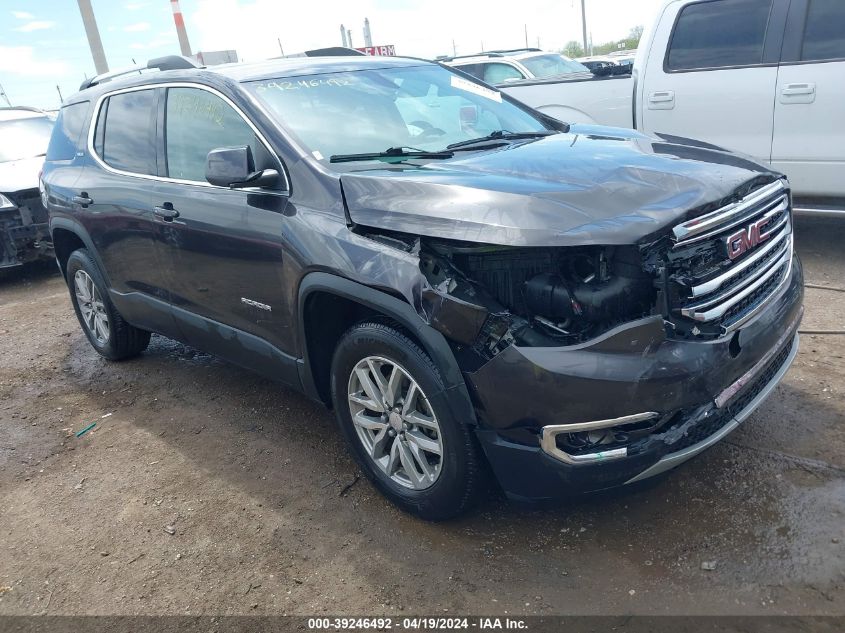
x,y
715,293
721,417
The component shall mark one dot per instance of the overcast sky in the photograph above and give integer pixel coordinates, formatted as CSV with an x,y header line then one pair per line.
x,y
43,44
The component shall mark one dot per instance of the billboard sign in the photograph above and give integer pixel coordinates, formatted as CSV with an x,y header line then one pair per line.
x,y
389,50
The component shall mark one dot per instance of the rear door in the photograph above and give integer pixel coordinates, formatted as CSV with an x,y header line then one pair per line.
x,y
712,71
809,132
114,202
223,248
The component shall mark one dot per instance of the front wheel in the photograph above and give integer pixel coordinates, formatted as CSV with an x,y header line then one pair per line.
x,y
106,330
389,402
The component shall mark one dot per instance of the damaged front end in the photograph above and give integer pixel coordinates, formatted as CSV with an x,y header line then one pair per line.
x,y
24,233
490,297
594,366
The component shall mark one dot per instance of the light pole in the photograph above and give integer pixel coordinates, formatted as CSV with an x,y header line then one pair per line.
x,y
93,33
584,24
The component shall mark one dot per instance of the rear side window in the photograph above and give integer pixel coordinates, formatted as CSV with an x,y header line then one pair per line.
x,y
67,131
719,34
499,73
197,122
824,34
125,133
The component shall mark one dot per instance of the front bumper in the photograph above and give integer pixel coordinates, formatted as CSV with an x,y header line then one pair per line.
x,y
708,388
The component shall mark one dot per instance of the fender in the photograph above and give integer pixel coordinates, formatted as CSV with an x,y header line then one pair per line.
x,y
433,342
71,225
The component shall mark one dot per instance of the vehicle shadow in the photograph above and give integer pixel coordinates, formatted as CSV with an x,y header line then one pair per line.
x,y
731,503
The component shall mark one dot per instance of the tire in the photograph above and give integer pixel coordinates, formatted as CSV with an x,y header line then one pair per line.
x,y
414,451
117,340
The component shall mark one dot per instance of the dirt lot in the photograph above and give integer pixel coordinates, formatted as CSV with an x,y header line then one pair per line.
x,y
254,482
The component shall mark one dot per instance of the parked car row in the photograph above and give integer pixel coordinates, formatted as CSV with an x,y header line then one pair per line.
x,y
24,234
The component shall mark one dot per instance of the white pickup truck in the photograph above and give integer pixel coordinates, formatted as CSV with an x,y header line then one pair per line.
x,y
762,77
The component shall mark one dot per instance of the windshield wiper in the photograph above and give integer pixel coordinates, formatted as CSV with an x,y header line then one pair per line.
x,y
501,135
390,153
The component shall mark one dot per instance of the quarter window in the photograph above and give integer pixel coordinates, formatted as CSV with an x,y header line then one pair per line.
x,y
824,35
125,133
197,122
719,34
66,132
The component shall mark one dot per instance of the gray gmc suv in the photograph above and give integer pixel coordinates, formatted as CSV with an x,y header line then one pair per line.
x,y
473,287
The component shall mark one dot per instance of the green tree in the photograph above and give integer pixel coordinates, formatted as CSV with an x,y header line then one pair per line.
x,y
573,49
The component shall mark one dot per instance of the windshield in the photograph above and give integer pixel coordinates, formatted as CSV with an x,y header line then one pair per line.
x,y
552,65
24,138
423,107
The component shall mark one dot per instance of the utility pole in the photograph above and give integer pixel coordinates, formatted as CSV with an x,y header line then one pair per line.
x,y
349,37
343,36
279,40
93,33
368,36
584,23
184,45
61,98
526,36
454,49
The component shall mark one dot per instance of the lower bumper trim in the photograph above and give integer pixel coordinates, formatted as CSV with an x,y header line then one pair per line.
x,y
675,459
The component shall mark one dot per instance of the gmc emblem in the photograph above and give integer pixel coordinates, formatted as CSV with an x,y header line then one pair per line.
x,y
745,239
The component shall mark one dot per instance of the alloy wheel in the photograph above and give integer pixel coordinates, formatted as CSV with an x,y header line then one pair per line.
x,y
395,422
91,306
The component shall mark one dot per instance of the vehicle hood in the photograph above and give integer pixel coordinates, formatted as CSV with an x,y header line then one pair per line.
x,y
19,175
592,185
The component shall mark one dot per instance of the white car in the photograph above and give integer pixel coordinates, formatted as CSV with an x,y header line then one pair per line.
x,y
24,236
497,67
761,77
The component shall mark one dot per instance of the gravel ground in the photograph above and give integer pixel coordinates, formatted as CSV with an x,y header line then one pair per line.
x,y
208,490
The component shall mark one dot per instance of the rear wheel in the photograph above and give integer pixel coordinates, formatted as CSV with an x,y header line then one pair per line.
x,y
389,401
108,333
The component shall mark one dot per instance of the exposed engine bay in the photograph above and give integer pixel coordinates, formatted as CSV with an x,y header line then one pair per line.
x,y
535,297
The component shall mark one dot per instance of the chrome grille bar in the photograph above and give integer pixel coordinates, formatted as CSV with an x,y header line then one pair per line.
x,y
730,215
741,288
717,307
716,283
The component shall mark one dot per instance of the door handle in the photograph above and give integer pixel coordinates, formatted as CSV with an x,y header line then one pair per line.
x,y
82,200
661,100
166,212
799,89
662,97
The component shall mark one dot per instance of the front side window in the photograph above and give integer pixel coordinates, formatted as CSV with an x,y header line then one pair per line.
x,y
24,138
125,133
718,34
198,121
542,66
824,34
425,107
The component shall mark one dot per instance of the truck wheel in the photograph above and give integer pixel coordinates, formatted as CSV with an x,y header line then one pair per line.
x,y
108,333
389,402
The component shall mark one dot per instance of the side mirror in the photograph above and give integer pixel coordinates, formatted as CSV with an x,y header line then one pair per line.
x,y
234,167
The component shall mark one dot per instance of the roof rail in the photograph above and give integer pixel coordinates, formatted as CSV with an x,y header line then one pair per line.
x,y
22,107
169,62
493,53
329,51
448,58
517,50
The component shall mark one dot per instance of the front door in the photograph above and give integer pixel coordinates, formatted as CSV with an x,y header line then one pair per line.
x,y
223,248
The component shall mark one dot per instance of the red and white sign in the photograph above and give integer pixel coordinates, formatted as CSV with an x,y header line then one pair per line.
x,y
389,50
